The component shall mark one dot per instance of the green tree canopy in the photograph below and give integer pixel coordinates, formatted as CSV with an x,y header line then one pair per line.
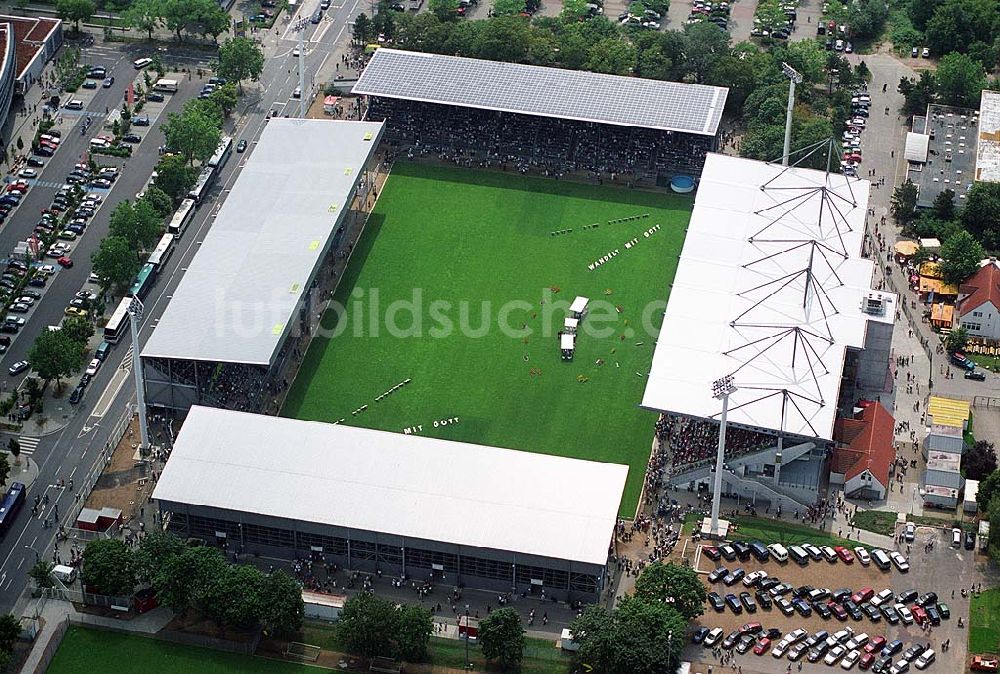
x,y
981,214
41,573
367,625
154,551
10,631
55,355
944,205
979,461
175,177
107,567
75,11
414,625
192,134
904,203
116,261
508,7
989,488
78,329
184,580
960,80
241,59
502,637
282,607
159,200
674,584
962,255
639,637
956,339
144,15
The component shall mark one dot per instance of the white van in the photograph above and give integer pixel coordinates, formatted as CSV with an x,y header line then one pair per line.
x,y
64,574
881,559
779,552
75,104
98,143
956,538
141,63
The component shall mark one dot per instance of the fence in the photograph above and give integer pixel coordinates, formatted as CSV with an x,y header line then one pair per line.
x,y
248,647
51,647
985,401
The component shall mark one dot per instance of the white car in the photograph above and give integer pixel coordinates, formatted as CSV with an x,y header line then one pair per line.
x,y
834,654
713,637
850,659
840,637
94,366
141,63
94,197
862,556
752,578
27,173
926,658
925,52
904,614
296,52
857,642
46,269
900,561
30,301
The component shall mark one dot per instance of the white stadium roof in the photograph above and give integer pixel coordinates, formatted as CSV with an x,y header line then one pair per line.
x,y
238,298
403,485
988,147
769,289
546,92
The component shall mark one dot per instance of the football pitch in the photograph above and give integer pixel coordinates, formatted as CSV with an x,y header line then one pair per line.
x,y
459,288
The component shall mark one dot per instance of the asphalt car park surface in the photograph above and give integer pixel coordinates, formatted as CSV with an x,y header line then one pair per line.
x,y
941,570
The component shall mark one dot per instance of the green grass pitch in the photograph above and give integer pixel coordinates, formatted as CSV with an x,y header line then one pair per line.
x,y
84,651
474,237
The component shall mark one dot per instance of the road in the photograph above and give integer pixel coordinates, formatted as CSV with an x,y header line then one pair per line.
x,y
73,450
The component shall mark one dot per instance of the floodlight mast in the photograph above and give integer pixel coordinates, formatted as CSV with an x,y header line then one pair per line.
x,y
793,78
135,310
721,390
300,28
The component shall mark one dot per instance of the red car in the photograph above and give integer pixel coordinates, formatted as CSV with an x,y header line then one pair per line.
x,y
751,628
919,615
838,611
862,595
762,646
65,261
866,661
846,556
712,553
983,663
875,645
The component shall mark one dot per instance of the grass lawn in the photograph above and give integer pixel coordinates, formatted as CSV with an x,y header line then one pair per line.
x,y
879,521
984,622
771,531
476,249
84,651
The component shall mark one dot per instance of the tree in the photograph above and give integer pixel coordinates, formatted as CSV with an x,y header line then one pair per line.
x,y
962,255
918,93
241,59
574,10
144,15
989,488
41,573
502,637
444,10
14,448
638,637
78,329
192,134
613,56
282,607
184,580
944,205
956,340
594,631
414,625
4,469
107,567
224,98
904,203
239,596
175,177
177,14
10,632
367,625
960,80
508,7
155,550
75,11
706,45
55,355
981,214
116,261
362,29
979,461
212,18
159,200
674,584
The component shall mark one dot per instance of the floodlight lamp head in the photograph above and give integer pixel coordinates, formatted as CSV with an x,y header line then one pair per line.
x,y
723,387
791,73
135,307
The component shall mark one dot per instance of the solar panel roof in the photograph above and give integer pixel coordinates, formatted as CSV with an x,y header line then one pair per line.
x,y
546,92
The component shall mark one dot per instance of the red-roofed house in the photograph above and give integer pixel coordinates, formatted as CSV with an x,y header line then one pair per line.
x,y
864,455
979,302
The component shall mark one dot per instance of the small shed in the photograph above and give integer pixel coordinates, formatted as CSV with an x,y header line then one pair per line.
x,y
88,519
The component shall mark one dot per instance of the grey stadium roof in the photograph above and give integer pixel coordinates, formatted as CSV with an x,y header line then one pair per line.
x,y
547,92
395,484
238,299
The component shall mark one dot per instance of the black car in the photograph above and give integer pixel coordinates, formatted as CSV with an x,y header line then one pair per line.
x,y
803,591
817,652
155,96
131,138
773,633
891,614
803,607
944,611
907,596
241,146
77,395
933,615
977,375
734,576
742,550
140,121
745,643
822,609
768,583
970,540
927,599
852,609
34,161
717,574
750,604
840,595
872,613
892,648
716,601
817,638
97,73
763,599
696,638
733,602
913,652
882,664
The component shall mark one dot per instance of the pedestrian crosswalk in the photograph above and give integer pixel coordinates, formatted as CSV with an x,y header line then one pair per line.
x,y
45,183
28,445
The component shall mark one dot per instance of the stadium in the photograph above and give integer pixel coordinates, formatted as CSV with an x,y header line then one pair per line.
x,y
457,326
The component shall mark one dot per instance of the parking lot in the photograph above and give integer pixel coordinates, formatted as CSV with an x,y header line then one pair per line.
x,y
943,570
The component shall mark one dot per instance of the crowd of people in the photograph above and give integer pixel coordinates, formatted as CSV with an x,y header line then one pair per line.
x,y
532,144
693,442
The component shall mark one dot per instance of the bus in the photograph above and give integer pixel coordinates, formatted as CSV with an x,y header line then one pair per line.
x,y
12,503
162,252
118,325
143,281
218,160
182,216
203,184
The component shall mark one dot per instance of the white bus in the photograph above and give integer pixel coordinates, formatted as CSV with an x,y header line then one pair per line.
x,y
166,85
218,160
182,216
118,325
204,183
162,252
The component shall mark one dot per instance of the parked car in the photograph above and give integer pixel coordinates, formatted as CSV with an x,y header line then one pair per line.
x,y
18,367
241,146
